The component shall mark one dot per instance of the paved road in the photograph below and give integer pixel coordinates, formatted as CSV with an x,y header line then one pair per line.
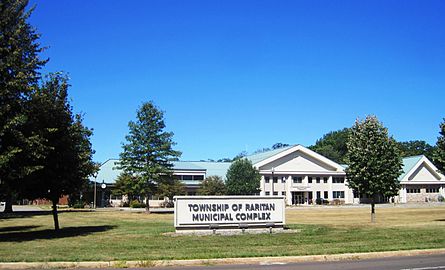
x,y
430,262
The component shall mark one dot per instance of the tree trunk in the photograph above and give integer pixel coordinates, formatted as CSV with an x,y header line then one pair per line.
x,y
147,203
8,204
55,216
372,211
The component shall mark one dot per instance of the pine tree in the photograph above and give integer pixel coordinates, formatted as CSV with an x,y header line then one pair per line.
x,y
374,163
19,75
148,152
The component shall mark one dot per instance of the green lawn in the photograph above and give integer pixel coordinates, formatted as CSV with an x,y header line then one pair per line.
x,y
92,236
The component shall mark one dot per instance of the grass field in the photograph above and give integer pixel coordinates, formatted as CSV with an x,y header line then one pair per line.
x,y
122,236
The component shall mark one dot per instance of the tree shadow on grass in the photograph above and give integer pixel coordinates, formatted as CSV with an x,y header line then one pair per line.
x,y
23,236
23,214
17,228
442,220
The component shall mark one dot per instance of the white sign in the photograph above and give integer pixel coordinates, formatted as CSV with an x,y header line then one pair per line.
x,y
228,211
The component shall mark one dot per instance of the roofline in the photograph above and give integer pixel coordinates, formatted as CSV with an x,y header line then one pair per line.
x,y
299,147
422,159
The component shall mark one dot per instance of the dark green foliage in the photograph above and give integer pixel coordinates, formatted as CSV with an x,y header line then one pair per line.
x,y
129,185
274,147
439,155
242,178
170,187
374,160
137,204
333,145
67,161
212,185
148,152
19,75
279,145
415,148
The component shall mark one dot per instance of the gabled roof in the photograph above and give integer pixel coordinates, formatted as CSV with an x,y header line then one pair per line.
x,y
411,164
255,158
408,164
270,157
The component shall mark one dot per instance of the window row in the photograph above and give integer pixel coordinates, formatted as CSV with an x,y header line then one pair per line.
x,y
189,177
275,193
310,179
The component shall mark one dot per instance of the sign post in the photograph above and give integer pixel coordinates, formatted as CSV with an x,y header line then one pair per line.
x,y
193,213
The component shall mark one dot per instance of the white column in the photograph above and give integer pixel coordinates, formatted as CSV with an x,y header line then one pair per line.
x,y
287,188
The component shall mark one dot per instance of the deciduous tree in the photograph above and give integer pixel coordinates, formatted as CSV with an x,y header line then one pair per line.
x,y
67,162
242,178
374,161
19,75
148,152
333,145
212,185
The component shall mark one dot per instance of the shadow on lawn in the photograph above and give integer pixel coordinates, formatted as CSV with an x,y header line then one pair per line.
x,y
17,228
22,236
23,214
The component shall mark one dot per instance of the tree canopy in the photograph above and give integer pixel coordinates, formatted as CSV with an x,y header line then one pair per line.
x,y
333,145
415,148
212,185
374,161
19,75
67,163
148,152
242,178
439,155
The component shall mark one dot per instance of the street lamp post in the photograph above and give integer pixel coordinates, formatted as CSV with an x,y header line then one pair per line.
x,y
103,186
95,181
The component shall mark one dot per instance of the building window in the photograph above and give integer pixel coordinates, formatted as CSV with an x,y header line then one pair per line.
x,y
267,179
283,193
283,179
297,179
325,194
432,190
309,179
275,179
275,193
338,180
325,180
318,180
267,193
198,177
338,194
187,177
413,190
318,194
356,195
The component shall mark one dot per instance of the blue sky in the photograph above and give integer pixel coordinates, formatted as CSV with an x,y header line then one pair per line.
x,y
242,75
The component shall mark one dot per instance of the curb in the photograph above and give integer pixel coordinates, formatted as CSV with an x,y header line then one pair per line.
x,y
200,262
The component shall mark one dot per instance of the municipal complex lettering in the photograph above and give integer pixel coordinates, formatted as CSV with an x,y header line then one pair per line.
x,y
202,212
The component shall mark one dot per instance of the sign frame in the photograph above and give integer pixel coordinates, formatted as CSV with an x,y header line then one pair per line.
x,y
180,224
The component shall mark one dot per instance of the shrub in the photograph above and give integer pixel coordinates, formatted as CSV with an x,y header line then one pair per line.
x,y
78,205
440,198
137,204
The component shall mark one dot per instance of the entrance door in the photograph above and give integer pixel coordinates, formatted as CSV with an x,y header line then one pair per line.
x,y
298,198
